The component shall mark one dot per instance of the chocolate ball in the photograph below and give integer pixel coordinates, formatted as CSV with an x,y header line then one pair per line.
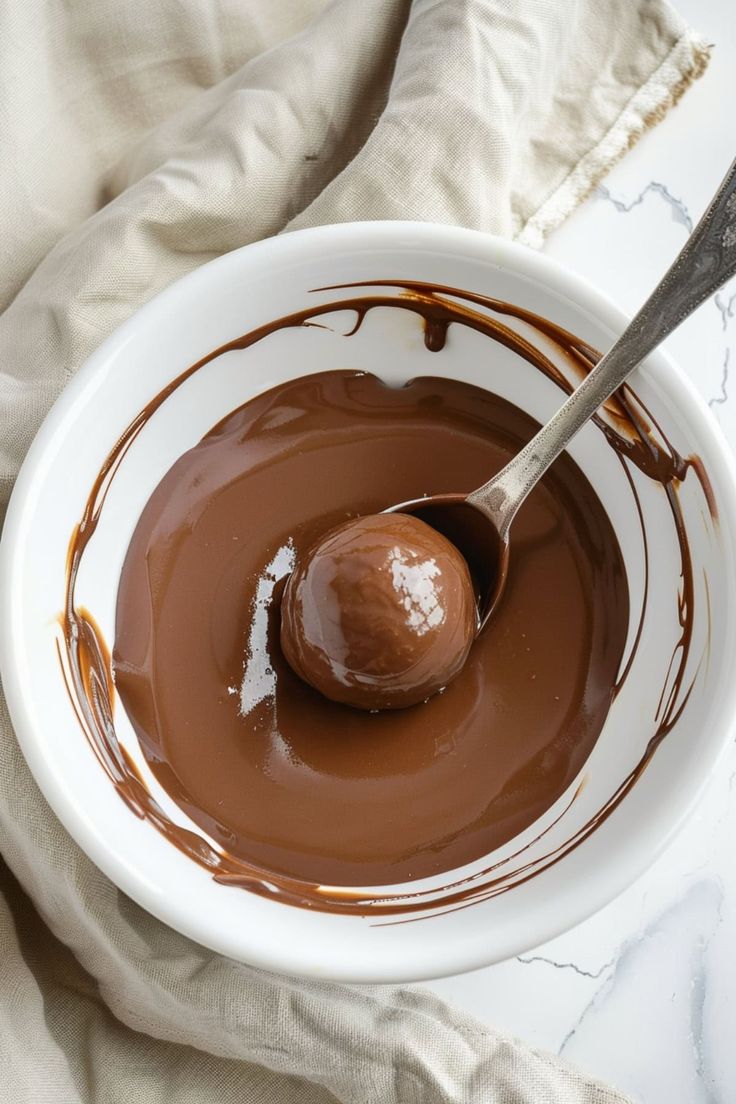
x,y
380,613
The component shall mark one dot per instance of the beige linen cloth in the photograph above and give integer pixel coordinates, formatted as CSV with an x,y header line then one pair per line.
x,y
138,140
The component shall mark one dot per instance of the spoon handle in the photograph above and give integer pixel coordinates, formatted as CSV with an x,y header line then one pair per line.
x,y
706,262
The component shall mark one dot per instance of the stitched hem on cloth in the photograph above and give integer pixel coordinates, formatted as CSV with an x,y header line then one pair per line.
x,y
685,62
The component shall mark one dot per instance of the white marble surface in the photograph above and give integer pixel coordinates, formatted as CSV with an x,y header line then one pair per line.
x,y
643,995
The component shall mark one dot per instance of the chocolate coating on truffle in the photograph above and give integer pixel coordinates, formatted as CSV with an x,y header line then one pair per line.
x,y
380,613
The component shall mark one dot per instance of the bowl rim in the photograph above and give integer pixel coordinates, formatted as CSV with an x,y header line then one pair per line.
x,y
372,236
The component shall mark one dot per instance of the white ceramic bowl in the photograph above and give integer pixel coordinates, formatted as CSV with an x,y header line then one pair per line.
x,y
219,302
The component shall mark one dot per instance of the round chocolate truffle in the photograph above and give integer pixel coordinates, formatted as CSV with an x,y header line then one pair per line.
x,y
380,613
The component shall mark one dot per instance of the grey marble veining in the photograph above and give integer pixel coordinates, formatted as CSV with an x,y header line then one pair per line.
x,y
677,208
637,988
725,307
722,397
530,960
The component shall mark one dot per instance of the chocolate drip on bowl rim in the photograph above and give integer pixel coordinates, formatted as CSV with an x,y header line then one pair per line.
x,y
637,442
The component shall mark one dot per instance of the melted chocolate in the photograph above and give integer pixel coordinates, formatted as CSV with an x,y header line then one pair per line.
x,y
379,770
271,770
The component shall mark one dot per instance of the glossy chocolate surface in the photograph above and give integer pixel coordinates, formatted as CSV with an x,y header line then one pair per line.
x,y
380,613
268,767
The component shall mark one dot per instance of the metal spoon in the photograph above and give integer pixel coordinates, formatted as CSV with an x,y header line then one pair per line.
x,y
479,523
